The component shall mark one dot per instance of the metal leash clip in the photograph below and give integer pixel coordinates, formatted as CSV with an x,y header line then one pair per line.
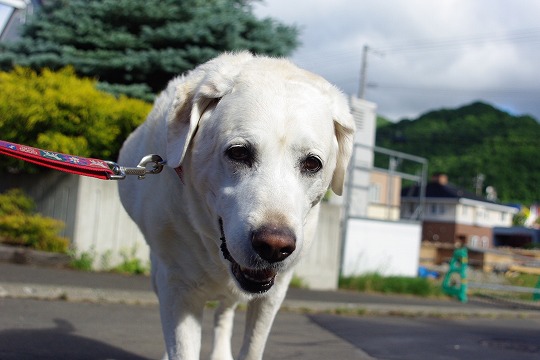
x,y
120,172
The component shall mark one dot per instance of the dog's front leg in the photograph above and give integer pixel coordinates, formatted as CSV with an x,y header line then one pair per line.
x,y
181,319
260,316
223,326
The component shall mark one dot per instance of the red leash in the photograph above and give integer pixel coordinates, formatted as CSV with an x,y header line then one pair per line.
x,y
78,165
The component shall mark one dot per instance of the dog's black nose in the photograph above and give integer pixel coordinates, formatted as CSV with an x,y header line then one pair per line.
x,y
273,244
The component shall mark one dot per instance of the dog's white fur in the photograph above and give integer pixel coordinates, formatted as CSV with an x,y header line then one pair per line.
x,y
283,115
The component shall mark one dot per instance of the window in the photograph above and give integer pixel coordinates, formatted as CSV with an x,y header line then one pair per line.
x,y
437,209
474,241
375,193
480,213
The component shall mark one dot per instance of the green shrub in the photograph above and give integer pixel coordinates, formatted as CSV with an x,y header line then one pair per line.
x,y
59,112
131,264
15,202
391,284
84,261
19,225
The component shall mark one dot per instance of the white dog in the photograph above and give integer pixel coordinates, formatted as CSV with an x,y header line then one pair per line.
x,y
252,144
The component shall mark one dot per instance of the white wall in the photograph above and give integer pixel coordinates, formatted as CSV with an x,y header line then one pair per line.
x,y
388,248
320,268
364,114
103,226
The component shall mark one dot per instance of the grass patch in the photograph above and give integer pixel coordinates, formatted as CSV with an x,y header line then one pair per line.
x,y
83,261
130,264
524,280
392,285
297,282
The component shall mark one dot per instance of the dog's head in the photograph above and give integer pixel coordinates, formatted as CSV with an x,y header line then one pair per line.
x,y
260,142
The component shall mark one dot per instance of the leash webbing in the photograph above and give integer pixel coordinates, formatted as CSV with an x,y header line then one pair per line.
x,y
63,162
105,170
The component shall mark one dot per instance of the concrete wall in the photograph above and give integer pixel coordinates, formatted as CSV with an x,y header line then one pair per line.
x,y
94,218
97,223
320,269
55,194
103,226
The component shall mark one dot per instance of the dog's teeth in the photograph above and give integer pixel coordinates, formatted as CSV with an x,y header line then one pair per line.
x,y
257,280
257,275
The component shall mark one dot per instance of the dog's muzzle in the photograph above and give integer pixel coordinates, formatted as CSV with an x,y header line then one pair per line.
x,y
272,245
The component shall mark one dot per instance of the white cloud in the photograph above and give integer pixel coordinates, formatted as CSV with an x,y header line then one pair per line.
x,y
489,50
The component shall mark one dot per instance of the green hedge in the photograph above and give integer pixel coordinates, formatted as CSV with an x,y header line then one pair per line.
x,y
60,112
21,226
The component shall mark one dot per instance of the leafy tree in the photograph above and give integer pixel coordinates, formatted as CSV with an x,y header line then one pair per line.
x,y
473,139
58,111
136,46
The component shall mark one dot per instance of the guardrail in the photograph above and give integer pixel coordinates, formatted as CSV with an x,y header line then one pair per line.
x,y
459,286
509,288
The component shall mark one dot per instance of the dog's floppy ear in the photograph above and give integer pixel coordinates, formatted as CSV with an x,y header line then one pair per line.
x,y
344,128
196,93
183,121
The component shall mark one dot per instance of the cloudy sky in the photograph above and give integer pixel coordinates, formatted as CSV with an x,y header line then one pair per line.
x,y
426,54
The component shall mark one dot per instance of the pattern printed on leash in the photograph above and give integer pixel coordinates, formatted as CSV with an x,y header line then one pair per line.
x,y
63,162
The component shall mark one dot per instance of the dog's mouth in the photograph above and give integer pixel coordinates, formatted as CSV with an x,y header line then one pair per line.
x,y
255,281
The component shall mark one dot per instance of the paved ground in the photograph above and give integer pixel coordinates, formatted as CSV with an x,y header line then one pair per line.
x,y
51,330
421,338
109,316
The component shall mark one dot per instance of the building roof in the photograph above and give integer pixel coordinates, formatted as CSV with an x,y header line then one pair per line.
x,y
439,187
436,190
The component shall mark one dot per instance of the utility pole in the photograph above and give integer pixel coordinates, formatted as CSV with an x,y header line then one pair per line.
x,y
363,69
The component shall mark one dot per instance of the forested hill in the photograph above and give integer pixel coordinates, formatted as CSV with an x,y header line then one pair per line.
x,y
471,140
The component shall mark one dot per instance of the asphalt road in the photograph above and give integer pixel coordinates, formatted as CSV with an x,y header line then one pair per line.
x,y
445,339
38,329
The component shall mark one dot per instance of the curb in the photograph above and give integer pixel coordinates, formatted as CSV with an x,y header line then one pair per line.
x,y
26,256
76,294
405,310
148,298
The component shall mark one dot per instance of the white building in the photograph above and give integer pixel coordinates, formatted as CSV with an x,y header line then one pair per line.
x,y
374,238
455,216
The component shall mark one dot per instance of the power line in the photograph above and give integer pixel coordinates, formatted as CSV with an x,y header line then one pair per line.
x,y
514,91
527,35
335,58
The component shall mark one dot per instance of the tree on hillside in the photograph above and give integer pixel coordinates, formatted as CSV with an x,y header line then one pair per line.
x,y
471,140
137,46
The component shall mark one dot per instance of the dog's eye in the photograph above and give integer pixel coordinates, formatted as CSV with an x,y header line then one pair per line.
x,y
311,164
239,153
